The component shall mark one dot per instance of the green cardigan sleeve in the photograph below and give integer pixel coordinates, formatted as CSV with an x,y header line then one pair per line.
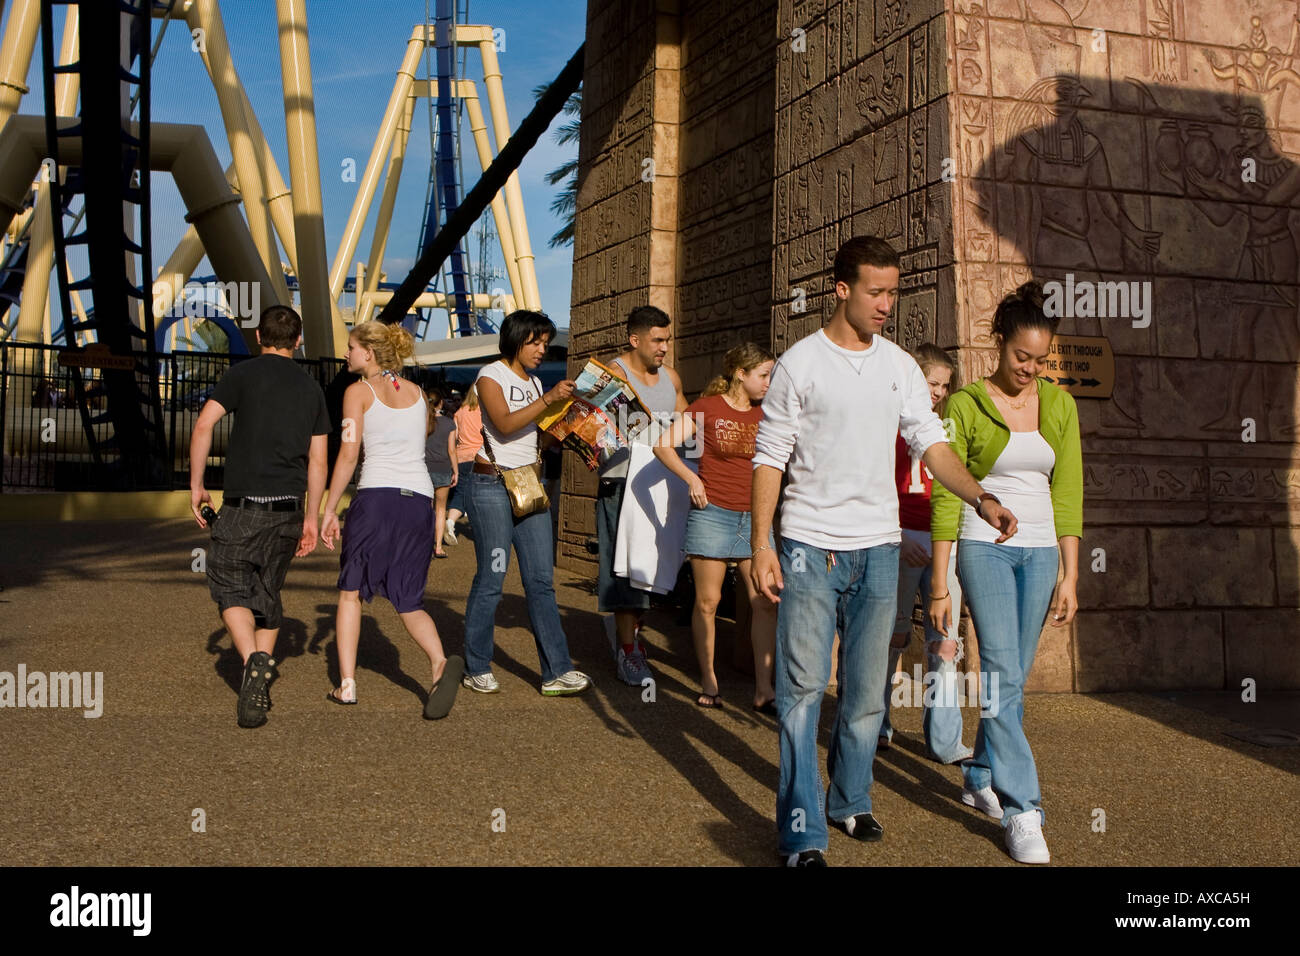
x,y
945,507
1067,475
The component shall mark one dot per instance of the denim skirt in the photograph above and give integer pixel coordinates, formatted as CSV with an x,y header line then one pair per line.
x,y
713,532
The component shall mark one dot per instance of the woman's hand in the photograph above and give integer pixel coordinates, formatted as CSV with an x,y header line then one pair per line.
x,y
915,554
940,613
1066,603
698,498
329,529
560,392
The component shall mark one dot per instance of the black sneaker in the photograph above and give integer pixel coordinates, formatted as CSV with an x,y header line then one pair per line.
x,y
254,694
806,858
862,827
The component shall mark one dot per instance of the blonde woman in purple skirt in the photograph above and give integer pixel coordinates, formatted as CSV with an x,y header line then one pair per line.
x,y
388,536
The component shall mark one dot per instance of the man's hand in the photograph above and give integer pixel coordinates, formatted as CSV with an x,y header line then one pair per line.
x,y
307,543
329,530
1000,518
198,498
915,554
765,573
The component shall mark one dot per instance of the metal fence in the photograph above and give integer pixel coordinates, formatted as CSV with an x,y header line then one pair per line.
x,y
43,432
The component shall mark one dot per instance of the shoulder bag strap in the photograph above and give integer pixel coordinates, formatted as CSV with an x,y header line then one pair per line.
x,y
487,447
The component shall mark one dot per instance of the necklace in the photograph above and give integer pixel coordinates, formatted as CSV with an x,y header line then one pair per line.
x,y
390,375
727,398
1007,398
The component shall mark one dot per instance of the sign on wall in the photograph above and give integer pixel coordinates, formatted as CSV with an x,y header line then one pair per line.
x,y
1083,365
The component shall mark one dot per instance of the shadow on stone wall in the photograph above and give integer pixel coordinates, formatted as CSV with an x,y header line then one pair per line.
x,y
1169,213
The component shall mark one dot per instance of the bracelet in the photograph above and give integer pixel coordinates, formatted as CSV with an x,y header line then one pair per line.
x,y
766,547
979,503
940,597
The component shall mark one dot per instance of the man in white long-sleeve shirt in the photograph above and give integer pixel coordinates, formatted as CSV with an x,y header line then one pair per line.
x,y
837,401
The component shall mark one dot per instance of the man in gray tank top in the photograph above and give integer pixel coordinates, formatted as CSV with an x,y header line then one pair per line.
x,y
660,390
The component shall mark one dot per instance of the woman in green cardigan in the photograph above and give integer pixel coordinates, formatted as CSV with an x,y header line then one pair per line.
x,y
1019,435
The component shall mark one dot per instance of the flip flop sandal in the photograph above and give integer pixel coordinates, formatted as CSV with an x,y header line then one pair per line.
x,y
443,693
768,708
715,701
347,689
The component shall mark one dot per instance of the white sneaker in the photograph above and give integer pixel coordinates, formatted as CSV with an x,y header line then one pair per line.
x,y
632,667
449,535
572,682
1025,840
985,801
483,683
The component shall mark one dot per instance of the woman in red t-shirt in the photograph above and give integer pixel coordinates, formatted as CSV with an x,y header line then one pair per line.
x,y
717,529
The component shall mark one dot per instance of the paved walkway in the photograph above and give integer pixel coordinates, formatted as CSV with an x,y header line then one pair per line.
x,y
600,778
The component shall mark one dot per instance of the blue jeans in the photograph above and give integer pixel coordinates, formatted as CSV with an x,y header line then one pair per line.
x,y
942,719
861,590
459,500
1009,591
495,530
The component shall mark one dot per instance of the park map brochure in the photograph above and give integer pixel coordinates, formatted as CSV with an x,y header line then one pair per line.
x,y
595,421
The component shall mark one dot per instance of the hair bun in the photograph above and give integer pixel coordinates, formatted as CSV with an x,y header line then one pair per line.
x,y
402,341
1032,293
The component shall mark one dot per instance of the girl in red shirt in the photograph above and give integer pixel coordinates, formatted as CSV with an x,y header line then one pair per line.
x,y
726,417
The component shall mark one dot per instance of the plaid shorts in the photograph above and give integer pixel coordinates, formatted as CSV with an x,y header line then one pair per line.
x,y
250,555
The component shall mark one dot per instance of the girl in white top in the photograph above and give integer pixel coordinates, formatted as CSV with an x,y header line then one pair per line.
x,y
388,537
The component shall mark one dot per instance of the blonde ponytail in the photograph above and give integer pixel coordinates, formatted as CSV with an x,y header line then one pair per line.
x,y
390,344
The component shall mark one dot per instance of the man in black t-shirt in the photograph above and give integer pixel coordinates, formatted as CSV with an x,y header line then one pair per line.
x,y
276,451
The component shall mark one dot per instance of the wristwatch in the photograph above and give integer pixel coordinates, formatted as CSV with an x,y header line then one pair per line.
x,y
979,502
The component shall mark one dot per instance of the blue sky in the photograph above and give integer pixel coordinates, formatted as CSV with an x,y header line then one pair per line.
x,y
356,49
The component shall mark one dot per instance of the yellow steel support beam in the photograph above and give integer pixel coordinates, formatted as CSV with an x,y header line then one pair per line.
x,y
383,142
324,334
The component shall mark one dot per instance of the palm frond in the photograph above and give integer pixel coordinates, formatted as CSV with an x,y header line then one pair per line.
x,y
565,203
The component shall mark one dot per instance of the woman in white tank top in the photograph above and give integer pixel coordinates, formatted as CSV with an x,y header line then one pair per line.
x,y
388,537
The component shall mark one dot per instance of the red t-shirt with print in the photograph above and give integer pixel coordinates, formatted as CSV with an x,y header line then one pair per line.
x,y
726,463
914,482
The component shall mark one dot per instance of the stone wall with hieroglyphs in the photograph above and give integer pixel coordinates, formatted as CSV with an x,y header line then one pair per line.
x,y
1152,142
724,213
860,125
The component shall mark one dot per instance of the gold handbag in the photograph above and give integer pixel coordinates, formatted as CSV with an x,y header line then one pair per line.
x,y
523,484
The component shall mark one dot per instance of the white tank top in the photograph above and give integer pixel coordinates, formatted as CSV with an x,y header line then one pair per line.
x,y
1021,479
393,440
